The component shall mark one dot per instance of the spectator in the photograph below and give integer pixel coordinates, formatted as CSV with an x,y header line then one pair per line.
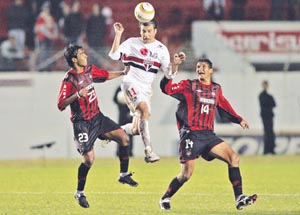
x,y
66,11
95,28
10,54
17,17
9,50
47,32
277,9
238,9
214,9
74,25
109,22
267,103
30,34
95,32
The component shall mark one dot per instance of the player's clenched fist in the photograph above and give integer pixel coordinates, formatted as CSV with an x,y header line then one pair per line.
x,y
118,27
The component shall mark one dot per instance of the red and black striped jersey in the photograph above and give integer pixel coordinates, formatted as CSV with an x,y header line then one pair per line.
x,y
198,103
87,107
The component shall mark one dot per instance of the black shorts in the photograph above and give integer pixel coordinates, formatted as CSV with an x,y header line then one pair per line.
x,y
197,143
86,132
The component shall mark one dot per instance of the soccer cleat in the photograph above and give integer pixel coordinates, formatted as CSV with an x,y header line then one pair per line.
x,y
150,156
243,201
81,199
128,180
165,204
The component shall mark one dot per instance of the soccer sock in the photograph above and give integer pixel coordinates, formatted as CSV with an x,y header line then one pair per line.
x,y
82,173
124,158
236,180
127,128
173,188
144,132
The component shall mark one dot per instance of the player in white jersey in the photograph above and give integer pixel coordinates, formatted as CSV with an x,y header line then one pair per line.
x,y
145,56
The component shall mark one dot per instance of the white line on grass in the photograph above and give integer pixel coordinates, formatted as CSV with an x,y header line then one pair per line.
x,y
146,193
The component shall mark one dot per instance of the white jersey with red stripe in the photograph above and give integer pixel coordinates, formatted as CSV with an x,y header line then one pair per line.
x,y
145,60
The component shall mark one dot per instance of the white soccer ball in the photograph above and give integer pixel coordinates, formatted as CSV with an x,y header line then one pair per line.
x,y
121,98
144,12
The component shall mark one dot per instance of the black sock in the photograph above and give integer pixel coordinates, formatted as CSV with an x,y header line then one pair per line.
x,y
236,180
173,188
82,173
124,158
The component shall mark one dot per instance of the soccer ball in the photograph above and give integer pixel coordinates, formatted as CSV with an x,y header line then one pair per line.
x,y
144,12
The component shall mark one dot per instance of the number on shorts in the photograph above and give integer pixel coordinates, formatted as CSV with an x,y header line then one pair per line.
x,y
131,93
189,144
83,137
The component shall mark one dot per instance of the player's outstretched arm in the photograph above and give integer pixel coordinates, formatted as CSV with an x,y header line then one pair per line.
x,y
174,66
112,75
119,29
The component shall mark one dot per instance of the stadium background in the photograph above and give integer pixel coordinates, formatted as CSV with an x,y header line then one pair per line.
x,y
28,98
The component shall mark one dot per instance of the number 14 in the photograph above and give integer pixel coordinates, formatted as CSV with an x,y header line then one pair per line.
x,y
205,108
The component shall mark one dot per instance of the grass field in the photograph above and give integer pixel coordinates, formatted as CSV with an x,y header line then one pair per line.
x,y
38,187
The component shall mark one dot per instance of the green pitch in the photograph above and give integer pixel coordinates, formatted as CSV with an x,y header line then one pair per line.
x,y
40,187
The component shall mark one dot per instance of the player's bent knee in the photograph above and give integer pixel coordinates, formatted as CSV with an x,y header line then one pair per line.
x,y
184,177
135,131
124,140
234,160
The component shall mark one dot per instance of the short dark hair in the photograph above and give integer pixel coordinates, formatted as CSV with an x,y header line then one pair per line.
x,y
71,52
152,22
205,60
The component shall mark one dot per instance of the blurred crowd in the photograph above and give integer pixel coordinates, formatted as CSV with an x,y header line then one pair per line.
x,y
37,30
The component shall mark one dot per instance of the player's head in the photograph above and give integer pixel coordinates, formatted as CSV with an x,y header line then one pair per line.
x,y
204,69
265,84
71,52
207,61
148,31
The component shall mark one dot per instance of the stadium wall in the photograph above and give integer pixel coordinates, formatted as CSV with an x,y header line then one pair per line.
x,y
29,115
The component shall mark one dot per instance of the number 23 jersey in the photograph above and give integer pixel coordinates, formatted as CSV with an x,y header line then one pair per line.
x,y
84,108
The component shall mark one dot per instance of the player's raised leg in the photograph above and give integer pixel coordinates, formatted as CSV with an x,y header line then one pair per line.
x,y
143,128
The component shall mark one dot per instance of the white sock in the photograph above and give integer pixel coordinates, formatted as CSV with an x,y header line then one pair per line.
x,y
144,132
122,174
127,128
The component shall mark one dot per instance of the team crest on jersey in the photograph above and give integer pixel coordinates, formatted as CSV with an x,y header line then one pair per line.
x,y
148,64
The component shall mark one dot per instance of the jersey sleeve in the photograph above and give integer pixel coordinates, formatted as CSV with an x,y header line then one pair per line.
x,y
99,75
173,89
165,61
226,109
66,90
117,55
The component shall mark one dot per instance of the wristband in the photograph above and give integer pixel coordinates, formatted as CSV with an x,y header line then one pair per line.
x,y
78,95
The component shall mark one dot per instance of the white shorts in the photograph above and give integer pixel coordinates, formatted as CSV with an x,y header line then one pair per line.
x,y
136,93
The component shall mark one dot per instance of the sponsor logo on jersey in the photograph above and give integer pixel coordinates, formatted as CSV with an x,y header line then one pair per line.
x,y
208,101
